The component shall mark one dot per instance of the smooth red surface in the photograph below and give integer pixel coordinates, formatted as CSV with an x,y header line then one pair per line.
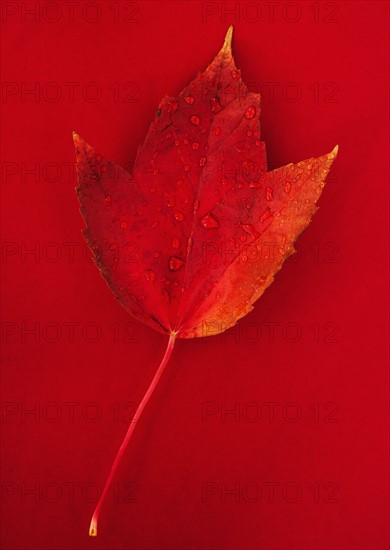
x,y
331,298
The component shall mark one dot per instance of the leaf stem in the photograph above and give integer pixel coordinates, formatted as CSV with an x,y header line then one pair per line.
x,y
141,406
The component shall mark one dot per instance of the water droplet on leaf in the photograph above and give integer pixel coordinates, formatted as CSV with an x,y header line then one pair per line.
x,y
250,112
269,193
215,105
179,216
248,228
175,263
267,214
209,222
175,243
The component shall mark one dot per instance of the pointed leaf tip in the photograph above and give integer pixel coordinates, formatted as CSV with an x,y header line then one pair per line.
x,y
333,154
76,137
227,45
78,140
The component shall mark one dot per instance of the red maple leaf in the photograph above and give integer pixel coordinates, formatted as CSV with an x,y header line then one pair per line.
x,y
183,241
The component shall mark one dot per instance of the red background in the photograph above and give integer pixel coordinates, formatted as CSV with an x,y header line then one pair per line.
x,y
331,298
